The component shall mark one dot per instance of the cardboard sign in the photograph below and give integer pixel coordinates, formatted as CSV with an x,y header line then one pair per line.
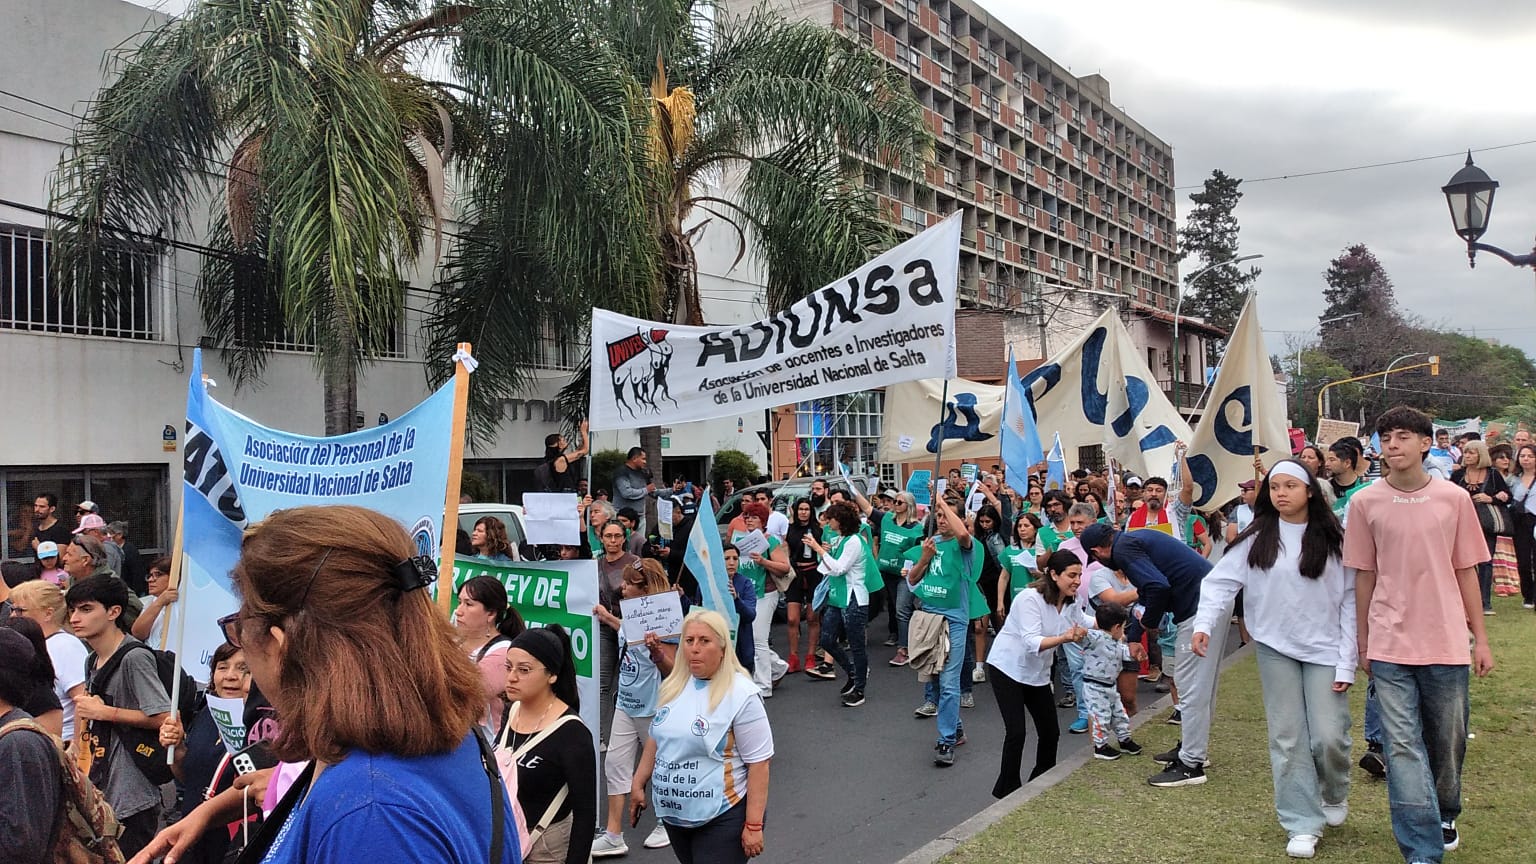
x,y
661,614
752,541
1329,431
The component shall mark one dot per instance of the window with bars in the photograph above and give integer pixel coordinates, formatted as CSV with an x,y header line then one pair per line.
x,y
295,339
30,299
560,353
851,423
132,494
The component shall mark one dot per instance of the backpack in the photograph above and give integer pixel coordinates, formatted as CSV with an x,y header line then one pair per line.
x,y
143,745
85,830
544,476
506,765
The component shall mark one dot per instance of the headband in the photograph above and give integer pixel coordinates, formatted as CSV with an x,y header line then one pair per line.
x,y
1291,469
545,646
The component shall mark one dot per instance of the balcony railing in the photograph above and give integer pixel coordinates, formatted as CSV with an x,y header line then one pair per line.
x,y
1188,394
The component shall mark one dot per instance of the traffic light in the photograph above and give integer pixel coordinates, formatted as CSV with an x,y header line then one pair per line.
x,y
1434,364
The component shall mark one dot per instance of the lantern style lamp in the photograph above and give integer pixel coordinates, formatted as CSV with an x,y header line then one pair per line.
x,y
1470,196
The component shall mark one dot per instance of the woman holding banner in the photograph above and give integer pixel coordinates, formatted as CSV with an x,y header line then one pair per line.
x,y
373,691
641,669
709,716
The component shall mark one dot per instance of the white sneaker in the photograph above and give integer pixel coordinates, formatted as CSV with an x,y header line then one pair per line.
x,y
658,838
1300,846
1335,814
607,847
979,675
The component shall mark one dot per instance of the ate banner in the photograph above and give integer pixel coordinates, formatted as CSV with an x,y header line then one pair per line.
x,y
891,320
237,471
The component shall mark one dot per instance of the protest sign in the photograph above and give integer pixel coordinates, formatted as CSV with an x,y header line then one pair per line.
x,y
552,592
229,716
891,320
237,471
661,614
968,471
752,541
551,517
917,484
664,518
1329,431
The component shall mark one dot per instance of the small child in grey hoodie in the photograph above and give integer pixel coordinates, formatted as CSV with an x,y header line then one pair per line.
x,y
1104,649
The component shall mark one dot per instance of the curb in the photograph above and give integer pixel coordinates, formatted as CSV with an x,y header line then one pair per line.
x,y
948,841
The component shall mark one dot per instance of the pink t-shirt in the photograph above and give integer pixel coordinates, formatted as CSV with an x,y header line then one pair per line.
x,y
1415,542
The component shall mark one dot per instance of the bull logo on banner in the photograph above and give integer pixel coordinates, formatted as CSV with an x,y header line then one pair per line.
x,y
639,365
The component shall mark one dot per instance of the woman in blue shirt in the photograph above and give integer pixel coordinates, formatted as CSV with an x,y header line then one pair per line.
x,y
373,691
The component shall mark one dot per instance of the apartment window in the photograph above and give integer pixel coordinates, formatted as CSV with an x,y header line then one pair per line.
x,y
949,128
132,494
560,352
852,423
30,299
989,149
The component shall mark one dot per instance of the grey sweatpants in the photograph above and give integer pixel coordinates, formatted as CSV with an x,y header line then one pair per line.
x,y
1197,678
1106,714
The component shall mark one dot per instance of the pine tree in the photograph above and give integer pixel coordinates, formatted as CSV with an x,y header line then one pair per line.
x,y
1358,283
1210,234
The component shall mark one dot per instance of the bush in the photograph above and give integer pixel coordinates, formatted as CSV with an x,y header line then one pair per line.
x,y
733,465
605,464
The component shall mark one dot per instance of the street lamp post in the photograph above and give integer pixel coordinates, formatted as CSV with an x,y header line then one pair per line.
x,y
1178,310
1394,363
1318,327
1470,196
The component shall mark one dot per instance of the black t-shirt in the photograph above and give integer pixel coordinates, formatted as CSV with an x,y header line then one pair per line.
x,y
59,534
565,758
41,700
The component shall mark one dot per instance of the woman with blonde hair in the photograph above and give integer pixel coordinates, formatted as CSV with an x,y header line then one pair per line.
x,y
43,602
641,668
1490,494
373,691
708,713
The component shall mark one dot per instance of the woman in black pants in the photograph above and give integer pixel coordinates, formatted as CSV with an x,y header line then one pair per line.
x,y
1043,616
1520,506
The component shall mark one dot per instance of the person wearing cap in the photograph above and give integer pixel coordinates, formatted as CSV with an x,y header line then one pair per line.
x,y
48,559
49,527
92,525
1131,488
31,784
1167,575
1242,515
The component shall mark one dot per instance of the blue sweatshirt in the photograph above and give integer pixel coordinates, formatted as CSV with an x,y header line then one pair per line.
x,y
1166,573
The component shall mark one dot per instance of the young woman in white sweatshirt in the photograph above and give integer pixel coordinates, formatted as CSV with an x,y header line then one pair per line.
x,y
1300,609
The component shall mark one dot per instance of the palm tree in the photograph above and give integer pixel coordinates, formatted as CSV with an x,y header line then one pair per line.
x,y
327,132
772,109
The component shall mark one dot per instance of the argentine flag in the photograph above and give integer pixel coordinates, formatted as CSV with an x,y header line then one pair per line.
x,y
704,557
1056,467
1021,440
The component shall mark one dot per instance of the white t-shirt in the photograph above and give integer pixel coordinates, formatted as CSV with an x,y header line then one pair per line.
x,y
155,629
68,654
778,525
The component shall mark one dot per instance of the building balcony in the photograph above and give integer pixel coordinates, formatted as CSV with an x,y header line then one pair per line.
x,y
1187,396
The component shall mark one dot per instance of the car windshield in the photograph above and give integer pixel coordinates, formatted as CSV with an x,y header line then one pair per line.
x,y
514,527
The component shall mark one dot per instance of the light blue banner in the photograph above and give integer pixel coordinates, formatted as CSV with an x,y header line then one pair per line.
x,y
237,472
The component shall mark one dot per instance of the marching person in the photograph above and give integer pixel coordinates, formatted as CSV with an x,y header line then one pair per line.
x,y
765,570
708,716
199,750
43,602
1300,609
851,574
486,625
373,692
944,580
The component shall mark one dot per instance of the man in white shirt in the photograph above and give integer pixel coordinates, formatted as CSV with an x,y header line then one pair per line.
x,y
778,523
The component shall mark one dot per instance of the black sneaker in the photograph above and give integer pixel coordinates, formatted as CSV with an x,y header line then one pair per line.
x,y
847,688
853,698
1448,832
1178,774
1373,763
944,755
1106,752
891,642
822,672
1169,757
1176,718
1130,747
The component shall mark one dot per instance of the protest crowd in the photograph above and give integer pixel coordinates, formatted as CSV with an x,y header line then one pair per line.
x,y
373,725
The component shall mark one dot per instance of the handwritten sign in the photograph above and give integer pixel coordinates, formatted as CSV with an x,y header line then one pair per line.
x,y
229,716
661,614
1329,431
752,541
664,518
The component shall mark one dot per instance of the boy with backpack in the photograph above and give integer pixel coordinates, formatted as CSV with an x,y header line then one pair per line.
x,y
123,706
51,813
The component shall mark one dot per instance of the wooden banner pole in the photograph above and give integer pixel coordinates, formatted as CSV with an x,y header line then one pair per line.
x,y
455,475
175,574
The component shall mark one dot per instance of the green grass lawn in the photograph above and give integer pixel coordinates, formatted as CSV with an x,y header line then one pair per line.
x,y
1105,813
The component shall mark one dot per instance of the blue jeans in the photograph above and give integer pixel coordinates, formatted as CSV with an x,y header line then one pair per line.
x,y
903,611
1424,721
1373,733
945,692
839,622
1074,655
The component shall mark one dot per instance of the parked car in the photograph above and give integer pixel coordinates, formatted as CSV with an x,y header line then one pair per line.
x,y
785,493
511,515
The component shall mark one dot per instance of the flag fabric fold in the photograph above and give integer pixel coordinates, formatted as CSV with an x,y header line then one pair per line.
x,y
1021,448
705,559
1056,467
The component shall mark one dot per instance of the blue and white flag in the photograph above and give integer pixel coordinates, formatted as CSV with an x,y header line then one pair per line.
x,y
237,472
1021,440
1056,467
704,557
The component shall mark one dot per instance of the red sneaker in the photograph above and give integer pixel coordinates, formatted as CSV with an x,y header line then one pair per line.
x,y
794,663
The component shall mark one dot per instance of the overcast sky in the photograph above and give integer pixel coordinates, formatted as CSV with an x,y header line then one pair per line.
x,y
1260,88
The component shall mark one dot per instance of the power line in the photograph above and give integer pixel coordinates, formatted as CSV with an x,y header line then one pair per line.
x,y
1301,174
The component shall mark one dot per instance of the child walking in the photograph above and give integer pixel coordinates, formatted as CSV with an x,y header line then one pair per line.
x,y
1104,650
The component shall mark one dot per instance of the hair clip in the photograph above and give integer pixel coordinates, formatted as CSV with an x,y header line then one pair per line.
x,y
413,573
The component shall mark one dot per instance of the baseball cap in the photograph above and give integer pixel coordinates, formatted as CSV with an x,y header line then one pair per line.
x,y
47,549
89,521
1246,485
1133,480
88,506
1096,535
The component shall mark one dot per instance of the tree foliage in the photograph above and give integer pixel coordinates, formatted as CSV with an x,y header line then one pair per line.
x,y
1210,234
605,464
734,465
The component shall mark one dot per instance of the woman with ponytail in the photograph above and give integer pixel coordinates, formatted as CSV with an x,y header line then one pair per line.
x,y
487,624
1300,608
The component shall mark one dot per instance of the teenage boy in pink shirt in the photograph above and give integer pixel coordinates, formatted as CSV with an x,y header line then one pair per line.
x,y
1416,543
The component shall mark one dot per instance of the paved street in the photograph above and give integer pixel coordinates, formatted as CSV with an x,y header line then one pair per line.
x,y
858,785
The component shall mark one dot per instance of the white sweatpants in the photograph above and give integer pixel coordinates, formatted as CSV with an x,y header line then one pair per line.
x,y
768,667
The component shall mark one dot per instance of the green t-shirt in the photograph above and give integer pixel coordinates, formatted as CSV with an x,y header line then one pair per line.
x,y
1342,496
895,540
947,576
756,572
1049,539
1021,566
837,588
